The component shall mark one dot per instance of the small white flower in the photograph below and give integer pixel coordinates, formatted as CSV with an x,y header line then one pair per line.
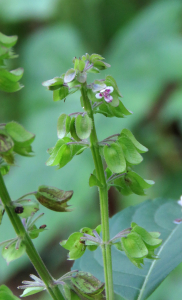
x,y
106,94
180,201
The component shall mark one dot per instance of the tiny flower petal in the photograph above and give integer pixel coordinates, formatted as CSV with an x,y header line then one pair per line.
x,y
109,89
108,98
177,221
98,95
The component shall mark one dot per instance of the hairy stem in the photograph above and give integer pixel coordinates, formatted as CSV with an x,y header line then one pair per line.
x,y
30,249
103,195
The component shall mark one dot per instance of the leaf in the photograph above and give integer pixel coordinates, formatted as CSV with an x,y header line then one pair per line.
x,y
63,125
6,143
19,134
130,153
31,291
8,41
83,125
6,293
75,246
81,77
130,135
87,283
73,130
28,206
63,92
53,198
70,75
12,253
93,181
57,152
114,158
130,282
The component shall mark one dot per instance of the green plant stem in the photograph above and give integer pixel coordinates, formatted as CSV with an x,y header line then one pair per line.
x,y
103,195
30,249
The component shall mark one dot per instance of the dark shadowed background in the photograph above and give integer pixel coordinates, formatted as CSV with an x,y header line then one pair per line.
x,y
142,40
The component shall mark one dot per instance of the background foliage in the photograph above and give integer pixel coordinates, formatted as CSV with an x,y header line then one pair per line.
x,y
142,42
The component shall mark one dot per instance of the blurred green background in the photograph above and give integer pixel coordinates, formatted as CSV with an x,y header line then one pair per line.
x,y
142,40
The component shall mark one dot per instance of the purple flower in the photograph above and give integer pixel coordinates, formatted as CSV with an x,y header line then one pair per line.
x,y
106,94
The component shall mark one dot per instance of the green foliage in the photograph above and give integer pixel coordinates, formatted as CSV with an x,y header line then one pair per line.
x,y
77,245
31,291
154,215
8,80
12,251
25,207
6,293
54,198
13,139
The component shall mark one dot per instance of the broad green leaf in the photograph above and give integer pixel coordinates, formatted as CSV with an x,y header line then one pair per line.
x,y
130,135
12,253
6,293
114,158
19,134
130,153
63,125
31,291
93,181
138,284
70,75
83,125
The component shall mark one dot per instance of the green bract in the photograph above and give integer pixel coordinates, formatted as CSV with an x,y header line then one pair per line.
x,y
139,244
83,125
63,152
8,79
54,198
13,251
25,207
85,284
114,158
13,139
76,245
63,125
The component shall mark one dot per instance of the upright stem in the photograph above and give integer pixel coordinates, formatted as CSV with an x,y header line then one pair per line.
x,y
103,194
30,249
